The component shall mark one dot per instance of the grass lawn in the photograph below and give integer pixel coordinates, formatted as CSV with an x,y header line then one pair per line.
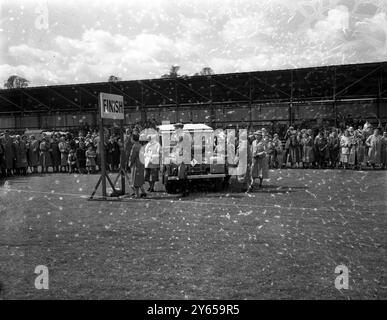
x,y
281,242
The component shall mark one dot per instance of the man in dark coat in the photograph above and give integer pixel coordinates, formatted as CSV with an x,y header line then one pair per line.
x,y
2,162
137,167
33,154
9,153
21,163
55,154
81,157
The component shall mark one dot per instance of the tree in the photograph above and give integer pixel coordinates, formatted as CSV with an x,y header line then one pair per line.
x,y
114,78
206,71
173,72
15,81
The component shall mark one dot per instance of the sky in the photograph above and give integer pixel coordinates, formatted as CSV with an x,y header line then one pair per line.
x,y
60,42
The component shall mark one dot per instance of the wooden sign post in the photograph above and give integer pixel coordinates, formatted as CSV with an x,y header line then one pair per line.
x,y
111,106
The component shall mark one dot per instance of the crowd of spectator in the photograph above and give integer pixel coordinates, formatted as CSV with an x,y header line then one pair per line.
x,y
360,148
63,152
79,151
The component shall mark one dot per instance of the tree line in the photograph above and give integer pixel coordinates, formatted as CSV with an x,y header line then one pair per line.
x,y
16,81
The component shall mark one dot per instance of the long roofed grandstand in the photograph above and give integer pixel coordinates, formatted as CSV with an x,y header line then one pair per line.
x,y
249,98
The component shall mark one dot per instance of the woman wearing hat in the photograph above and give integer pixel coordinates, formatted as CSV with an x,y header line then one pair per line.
x,y
345,145
259,169
64,149
45,158
374,142
21,155
55,154
9,153
307,150
33,154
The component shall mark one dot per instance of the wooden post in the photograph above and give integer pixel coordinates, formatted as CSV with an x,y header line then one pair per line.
x,y
123,154
103,156
108,113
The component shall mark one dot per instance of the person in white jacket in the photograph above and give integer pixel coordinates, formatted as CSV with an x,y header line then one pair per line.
x,y
152,161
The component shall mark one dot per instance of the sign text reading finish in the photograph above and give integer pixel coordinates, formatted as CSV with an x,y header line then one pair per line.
x,y
112,106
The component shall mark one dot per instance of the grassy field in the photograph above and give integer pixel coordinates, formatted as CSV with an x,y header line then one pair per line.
x,y
281,242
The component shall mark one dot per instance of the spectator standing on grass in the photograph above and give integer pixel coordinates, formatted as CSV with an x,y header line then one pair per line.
x,y
307,150
21,155
2,162
80,153
109,153
270,151
55,154
45,158
334,148
96,143
9,152
319,149
2,155
352,148
344,145
292,147
299,148
137,167
374,142
278,154
152,161
384,150
64,154
259,169
114,150
90,159
360,149
128,147
72,161
33,154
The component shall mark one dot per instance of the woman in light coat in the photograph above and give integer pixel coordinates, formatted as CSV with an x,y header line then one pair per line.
x,y
260,168
64,149
345,146
374,142
45,158
152,162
